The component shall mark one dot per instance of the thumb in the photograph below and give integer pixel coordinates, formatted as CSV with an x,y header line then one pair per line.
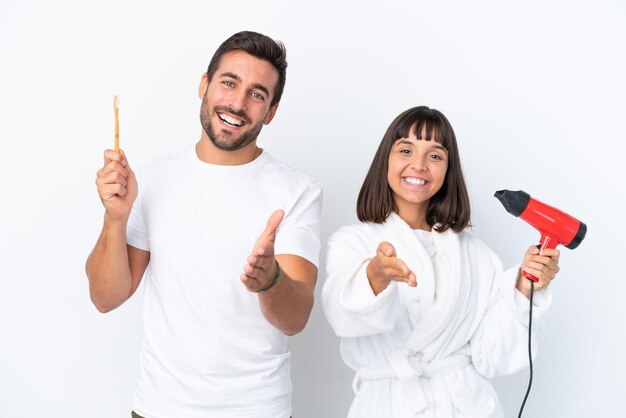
x,y
387,249
532,250
126,164
124,159
272,224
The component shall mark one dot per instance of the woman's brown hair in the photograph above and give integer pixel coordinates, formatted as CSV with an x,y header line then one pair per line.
x,y
449,207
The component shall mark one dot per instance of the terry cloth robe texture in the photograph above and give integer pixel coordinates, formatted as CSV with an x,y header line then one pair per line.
x,y
427,351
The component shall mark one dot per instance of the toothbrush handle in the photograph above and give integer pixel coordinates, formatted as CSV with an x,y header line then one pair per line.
x,y
116,143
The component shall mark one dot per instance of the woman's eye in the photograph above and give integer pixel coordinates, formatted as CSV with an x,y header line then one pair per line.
x,y
436,157
405,151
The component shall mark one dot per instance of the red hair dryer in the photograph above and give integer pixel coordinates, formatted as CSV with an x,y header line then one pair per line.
x,y
555,227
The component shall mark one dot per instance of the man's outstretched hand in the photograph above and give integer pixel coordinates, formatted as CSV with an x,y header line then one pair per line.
x,y
260,270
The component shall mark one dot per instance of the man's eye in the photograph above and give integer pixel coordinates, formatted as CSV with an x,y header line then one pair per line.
x,y
257,95
228,83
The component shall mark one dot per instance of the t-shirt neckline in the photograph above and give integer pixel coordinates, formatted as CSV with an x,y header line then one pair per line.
x,y
202,165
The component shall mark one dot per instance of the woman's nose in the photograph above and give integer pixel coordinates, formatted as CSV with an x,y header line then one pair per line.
x,y
418,163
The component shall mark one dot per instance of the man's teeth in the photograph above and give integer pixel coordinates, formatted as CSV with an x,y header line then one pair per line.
x,y
230,120
413,180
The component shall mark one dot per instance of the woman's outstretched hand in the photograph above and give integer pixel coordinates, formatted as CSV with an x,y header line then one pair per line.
x,y
386,266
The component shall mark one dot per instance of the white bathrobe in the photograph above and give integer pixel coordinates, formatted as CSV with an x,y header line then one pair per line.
x,y
426,351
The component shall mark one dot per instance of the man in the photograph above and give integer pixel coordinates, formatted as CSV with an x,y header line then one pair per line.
x,y
215,336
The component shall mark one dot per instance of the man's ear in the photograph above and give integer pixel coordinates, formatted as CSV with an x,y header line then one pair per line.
x,y
270,114
204,83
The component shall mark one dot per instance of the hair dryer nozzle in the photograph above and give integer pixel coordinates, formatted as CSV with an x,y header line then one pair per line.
x,y
579,237
514,202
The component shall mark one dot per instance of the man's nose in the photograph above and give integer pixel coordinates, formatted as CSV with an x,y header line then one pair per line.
x,y
238,100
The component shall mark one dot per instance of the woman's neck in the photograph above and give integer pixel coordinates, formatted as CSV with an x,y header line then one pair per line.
x,y
415,218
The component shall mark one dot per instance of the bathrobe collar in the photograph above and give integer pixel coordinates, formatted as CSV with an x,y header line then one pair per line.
x,y
443,285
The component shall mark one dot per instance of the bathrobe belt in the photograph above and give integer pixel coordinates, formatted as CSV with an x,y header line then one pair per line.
x,y
408,368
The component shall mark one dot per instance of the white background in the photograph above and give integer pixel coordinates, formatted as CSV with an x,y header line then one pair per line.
x,y
535,91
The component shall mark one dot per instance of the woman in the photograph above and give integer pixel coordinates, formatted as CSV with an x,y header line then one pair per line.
x,y
424,309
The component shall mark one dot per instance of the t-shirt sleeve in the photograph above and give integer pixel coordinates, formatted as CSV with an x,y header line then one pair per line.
x,y
136,230
299,232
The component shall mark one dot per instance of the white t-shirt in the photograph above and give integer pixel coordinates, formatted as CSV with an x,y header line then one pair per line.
x,y
207,350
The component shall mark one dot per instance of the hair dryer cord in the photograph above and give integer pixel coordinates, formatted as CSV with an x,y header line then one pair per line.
x,y
530,357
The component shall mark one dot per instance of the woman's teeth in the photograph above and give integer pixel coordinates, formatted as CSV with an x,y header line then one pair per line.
x,y
416,181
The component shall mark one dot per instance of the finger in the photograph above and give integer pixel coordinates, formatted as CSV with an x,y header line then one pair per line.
x,y
113,178
539,267
261,272
412,280
542,258
265,263
556,271
386,249
264,246
113,166
272,225
553,253
260,261
532,250
553,267
126,164
112,155
124,160
539,259
264,249
110,191
253,281
250,283
539,274
393,273
397,264
548,262
550,252
251,271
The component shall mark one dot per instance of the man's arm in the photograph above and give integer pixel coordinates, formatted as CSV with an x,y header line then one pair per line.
x,y
114,268
287,302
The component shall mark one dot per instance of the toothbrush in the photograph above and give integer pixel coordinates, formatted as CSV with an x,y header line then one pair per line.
x,y
116,102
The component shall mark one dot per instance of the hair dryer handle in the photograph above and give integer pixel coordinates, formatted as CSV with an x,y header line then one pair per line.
x,y
546,242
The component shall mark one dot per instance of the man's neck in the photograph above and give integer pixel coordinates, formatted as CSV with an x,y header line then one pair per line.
x,y
209,153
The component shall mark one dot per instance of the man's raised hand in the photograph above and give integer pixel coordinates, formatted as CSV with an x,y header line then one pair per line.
x,y
117,185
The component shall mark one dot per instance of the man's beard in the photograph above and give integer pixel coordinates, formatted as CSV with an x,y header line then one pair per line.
x,y
225,141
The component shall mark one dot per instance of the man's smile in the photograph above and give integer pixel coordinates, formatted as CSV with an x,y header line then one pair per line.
x,y
230,120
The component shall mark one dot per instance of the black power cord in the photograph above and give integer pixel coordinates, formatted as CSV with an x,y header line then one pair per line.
x,y
530,357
